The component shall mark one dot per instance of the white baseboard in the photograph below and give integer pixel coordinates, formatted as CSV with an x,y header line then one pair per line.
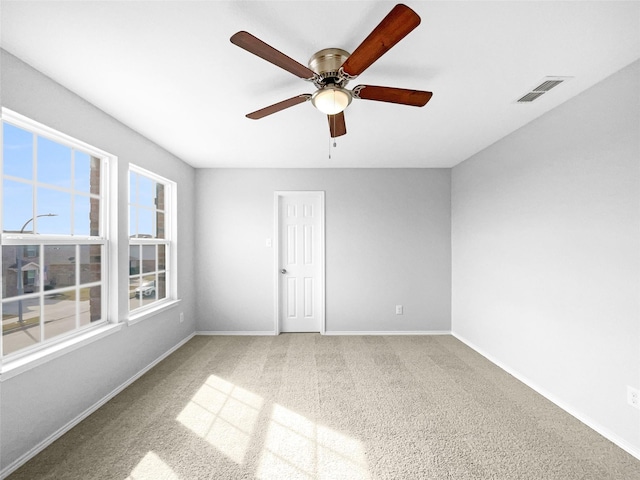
x,y
332,332
13,466
605,432
391,332
239,332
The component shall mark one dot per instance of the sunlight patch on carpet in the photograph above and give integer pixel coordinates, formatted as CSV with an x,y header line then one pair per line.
x,y
223,414
298,448
151,467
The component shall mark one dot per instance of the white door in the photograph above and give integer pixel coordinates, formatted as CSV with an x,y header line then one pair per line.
x,y
300,261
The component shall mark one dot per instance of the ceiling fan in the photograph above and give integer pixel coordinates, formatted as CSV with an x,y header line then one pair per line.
x,y
331,69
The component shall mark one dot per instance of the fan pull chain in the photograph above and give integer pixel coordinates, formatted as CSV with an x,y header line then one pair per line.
x,y
334,145
332,119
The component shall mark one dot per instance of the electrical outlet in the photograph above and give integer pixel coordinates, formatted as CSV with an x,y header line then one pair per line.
x,y
633,397
399,309
181,317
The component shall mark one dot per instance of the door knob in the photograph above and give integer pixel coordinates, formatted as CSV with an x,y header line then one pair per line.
x,y
283,271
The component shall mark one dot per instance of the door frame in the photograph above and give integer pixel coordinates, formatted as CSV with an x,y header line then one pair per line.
x,y
276,255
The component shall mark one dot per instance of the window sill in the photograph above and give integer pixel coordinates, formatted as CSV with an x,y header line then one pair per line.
x,y
152,311
11,368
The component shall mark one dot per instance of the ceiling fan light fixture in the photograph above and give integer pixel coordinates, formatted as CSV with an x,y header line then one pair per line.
x,y
331,100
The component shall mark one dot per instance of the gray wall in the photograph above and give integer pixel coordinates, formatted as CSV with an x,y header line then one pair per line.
x,y
387,243
545,239
36,403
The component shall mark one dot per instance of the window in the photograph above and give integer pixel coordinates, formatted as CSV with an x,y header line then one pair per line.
x,y
54,235
151,245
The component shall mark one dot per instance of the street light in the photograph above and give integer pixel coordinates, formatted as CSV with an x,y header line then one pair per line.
x,y
19,264
37,216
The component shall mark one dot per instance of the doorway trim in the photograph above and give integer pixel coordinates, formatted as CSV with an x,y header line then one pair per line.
x,y
276,255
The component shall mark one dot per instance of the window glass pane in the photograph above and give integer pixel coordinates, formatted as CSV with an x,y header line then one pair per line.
x,y
54,163
95,175
59,314
159,225
159,196
162,291
17,151
20,324
94,217
59,205
90,305
133,219
133,188
146,223
134,259
81,171
17,258
86,220
90,263
162,261
146,192
148,258
9,270
94,313
81,215
59,266
17,206
147,291
85,306
134,296
86,173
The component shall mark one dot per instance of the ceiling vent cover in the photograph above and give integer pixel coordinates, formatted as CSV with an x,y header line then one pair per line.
x,y
530,97
543,87
548,85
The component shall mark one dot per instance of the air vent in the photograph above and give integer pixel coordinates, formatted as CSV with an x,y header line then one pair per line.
x,y
530,97
544,86
548,85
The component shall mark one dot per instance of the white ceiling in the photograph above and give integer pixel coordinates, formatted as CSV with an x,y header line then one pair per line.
x,y
168,70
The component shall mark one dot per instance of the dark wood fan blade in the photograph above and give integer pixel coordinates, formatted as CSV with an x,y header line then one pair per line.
x,y
337,125
276,107
394,27
417,98
258,47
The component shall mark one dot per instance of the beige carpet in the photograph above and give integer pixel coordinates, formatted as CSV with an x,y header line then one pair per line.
x,y
304,406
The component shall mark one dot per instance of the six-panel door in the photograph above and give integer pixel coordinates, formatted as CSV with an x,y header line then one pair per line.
x,y
301,261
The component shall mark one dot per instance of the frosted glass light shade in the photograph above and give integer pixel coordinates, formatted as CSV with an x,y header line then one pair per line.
x,y
331,100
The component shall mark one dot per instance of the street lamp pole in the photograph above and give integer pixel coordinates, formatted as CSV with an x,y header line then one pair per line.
x,y
37,216
20,255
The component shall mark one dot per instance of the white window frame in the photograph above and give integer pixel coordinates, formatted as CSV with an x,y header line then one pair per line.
x,y
39,353
169,240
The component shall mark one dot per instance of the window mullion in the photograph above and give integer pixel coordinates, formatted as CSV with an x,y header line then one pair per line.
x,y
137,207
157,277
72,219
34,183
8,239
77,268
43,261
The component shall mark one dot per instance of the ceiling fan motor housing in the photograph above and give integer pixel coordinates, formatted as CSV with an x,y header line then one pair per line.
x,y
326,63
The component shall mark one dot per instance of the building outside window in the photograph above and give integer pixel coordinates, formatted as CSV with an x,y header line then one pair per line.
x,y
151,245
54,235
